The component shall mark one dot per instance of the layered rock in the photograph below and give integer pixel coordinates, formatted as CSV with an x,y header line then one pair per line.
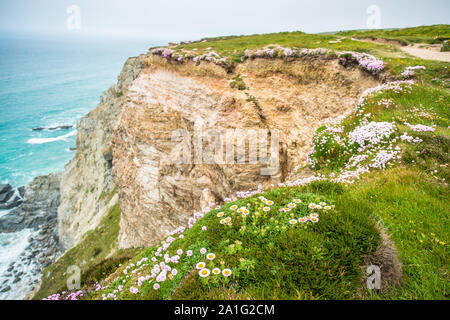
x,y
88,176
156,193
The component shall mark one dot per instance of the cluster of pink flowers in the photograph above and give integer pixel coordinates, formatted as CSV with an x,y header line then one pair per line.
x,y
65,296
383,158
371,134
387,103
410,139
401,86
273,51
420,127
169,54
249,193
165,52
409,71
365,61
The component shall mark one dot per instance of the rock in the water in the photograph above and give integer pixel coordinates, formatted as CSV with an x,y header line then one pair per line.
x,y
53,128
5,289
4,197
39,207
5,188
11,204
21,191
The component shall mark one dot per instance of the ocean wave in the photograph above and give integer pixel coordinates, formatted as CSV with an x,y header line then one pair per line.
x,y
48,140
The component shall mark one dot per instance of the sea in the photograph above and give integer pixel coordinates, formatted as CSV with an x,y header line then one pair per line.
x,y
48,83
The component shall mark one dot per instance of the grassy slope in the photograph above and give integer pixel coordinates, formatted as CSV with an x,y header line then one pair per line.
x,y
91,255
270,258
277,260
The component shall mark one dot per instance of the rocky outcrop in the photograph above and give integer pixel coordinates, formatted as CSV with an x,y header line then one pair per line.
x,y
88,176
38,212
39,207
157,194
65,127
8,197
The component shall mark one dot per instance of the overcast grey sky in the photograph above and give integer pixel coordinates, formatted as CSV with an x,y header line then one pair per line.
x,y
191,19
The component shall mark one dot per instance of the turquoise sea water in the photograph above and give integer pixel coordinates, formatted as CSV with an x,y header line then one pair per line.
x,y
46,83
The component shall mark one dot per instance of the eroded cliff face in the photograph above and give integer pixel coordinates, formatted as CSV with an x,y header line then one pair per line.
x,y
87,184
158,195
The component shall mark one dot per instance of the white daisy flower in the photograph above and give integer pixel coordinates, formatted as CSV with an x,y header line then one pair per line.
x,y
204,272
226,272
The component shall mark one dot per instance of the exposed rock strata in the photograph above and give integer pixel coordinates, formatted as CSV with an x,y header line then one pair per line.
x,y
156,195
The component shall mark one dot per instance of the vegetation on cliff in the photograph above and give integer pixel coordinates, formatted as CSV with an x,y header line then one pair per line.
x,y
382,167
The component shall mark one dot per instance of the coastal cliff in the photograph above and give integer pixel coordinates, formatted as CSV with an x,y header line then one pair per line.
x,y
87,183
157,195
351,127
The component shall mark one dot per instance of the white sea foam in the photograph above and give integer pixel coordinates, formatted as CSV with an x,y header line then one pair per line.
x,y
47,140
12,245
3,212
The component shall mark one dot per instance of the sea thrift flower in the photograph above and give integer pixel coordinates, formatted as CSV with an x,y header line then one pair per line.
x,y
134,290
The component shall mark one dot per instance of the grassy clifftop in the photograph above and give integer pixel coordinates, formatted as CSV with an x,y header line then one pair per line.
x,y
378,175
425,34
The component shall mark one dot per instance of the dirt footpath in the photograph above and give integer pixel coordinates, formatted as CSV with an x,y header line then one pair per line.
x,y
427,52
419,50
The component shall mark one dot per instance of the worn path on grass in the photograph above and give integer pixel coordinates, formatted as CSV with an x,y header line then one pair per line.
x,y
419,50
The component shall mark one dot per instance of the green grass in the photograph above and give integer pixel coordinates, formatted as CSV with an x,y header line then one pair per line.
x,y
414,210
89,255
424,34
270,258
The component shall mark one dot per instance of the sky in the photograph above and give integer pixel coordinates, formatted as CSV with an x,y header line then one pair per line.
x,y
175,20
